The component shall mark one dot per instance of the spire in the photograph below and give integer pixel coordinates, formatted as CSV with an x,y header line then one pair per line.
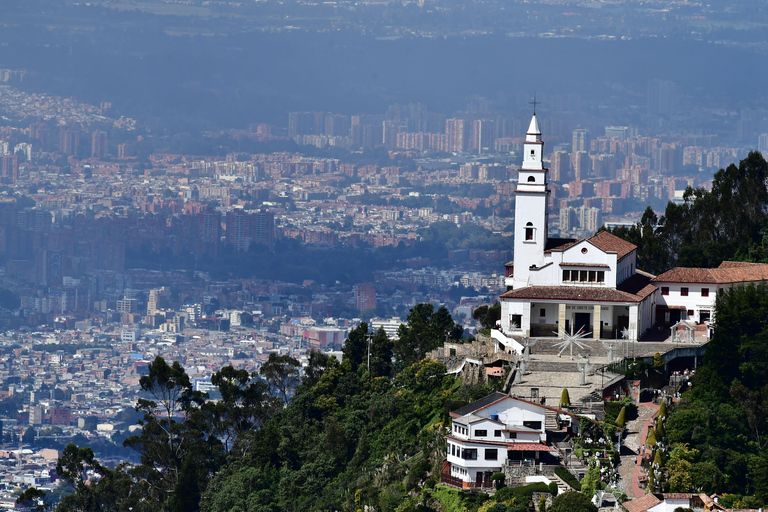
x,y
533,128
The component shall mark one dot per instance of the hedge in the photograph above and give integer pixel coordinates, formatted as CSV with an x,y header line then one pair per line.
x,y
568,477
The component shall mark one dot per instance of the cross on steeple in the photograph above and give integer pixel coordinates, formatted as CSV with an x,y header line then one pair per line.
x,y
534,103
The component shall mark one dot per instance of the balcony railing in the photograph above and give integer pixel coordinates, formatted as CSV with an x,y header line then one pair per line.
x,y
461,484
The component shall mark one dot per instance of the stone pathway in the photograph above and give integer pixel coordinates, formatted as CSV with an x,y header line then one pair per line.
x,y
635,433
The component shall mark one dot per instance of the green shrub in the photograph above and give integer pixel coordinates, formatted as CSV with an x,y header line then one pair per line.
x,y
663,410
505,494
450,499
553,489
528,490
498,479
621,419
572,502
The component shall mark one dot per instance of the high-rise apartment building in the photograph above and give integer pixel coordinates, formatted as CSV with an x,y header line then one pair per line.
x,y
560,166
36,415
246,228
98,144
484,135
9,169
581,164
580,140
620,132
458,132
155,297
126,305
124,151
390,130
69,141
337,125
762,144
365,296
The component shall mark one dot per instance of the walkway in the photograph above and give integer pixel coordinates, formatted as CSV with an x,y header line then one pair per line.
x,y
635,432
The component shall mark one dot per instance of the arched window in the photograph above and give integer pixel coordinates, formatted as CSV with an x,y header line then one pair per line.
x,y
531,179
529,231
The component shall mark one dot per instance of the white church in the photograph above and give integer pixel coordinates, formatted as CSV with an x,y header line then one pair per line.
x,y
593,286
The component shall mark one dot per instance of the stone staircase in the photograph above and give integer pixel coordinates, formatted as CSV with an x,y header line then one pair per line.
x,y
552,366
573,464
561,485
550,422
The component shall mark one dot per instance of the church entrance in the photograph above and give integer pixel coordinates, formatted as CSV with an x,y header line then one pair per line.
x,y
582,322
622,322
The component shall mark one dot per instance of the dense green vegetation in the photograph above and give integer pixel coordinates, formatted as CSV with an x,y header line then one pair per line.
x,y
353,433
350,435
719,431
716,438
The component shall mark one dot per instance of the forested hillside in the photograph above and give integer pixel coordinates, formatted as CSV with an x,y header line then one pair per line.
x,y
352,434
717,435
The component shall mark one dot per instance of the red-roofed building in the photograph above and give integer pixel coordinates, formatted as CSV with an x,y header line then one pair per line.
x,y
557,285
690,293
491,432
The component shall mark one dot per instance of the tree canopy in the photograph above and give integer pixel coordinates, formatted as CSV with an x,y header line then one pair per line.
x,y
724,418
708,227
426,330
347,435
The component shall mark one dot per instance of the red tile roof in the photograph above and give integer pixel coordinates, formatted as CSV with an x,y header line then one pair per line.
x,y
642,504
511,446
573,293
728,272
608,242
640,285
559,244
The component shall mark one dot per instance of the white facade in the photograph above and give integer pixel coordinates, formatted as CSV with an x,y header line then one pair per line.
x,y
593,286
562,285
486,434
531,222
129,335
690,293
670,504
694,302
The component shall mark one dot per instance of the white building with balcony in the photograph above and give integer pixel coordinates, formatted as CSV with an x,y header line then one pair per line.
x,y
491,432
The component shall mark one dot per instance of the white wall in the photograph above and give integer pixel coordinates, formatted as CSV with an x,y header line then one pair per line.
x,y
694,301
453,455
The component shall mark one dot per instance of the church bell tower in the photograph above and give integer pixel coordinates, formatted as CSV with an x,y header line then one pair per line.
x,y
531,208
